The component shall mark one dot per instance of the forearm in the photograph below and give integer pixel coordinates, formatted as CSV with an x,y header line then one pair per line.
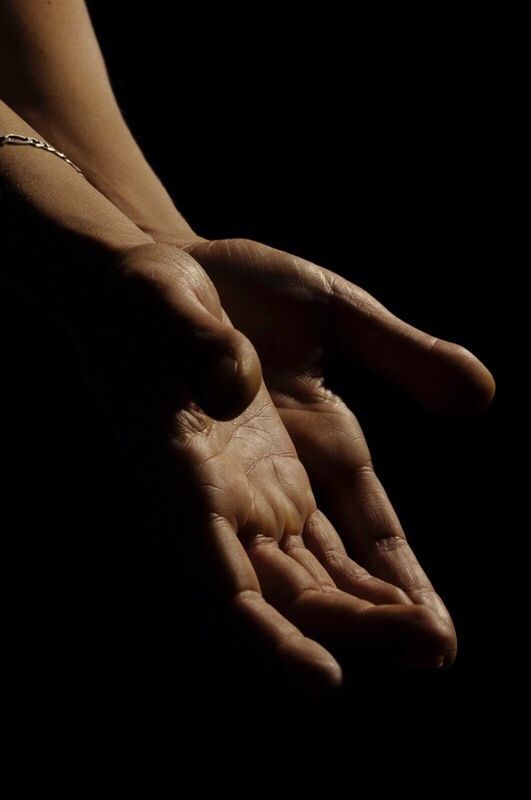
x,y
53,74
56,228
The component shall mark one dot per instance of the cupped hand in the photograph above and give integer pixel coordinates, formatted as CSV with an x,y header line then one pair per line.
x,y
230,499
295,312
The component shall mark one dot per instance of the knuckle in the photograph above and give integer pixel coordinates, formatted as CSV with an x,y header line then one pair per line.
x,y
387,542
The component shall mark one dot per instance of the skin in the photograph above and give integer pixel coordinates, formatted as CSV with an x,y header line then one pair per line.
x,y
229,481
237,490
295,313
222,450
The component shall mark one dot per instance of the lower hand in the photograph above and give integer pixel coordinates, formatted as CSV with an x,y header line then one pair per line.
x,y
295,312
236,511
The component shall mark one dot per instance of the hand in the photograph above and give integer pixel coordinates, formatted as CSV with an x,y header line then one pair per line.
x,y
294,312
231,499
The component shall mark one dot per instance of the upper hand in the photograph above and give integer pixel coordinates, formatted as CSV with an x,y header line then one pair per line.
x,y
233,505
294,312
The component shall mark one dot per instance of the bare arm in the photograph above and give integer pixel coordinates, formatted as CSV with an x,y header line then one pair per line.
x,y
45,205
53,74
63,243
64,91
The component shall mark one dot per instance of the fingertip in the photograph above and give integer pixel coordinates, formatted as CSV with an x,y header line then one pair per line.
x,y
440,641
449,656
412,636
249,378
434,617
233,381
458,383
319,667
332,674
484,385
311,664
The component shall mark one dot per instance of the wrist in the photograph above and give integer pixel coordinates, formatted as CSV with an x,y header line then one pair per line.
x,y
57,229
113,163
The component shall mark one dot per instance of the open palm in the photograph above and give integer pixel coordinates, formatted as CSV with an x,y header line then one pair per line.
x,y
293,311
231,503
265,549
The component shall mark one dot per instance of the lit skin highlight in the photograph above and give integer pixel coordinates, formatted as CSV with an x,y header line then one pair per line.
x,y
235,455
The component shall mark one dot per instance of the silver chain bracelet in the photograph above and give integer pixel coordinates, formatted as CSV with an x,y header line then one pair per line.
x,y
15,138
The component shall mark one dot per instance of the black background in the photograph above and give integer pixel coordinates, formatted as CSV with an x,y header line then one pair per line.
x,y
368,148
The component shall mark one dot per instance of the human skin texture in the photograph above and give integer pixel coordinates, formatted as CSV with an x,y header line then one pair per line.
x,y
283,563
238,506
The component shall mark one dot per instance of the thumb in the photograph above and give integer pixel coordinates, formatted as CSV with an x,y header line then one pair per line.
x,y
199,352
221,367
441,375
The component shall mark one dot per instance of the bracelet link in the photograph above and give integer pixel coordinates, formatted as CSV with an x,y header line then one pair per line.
x,y
18,139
